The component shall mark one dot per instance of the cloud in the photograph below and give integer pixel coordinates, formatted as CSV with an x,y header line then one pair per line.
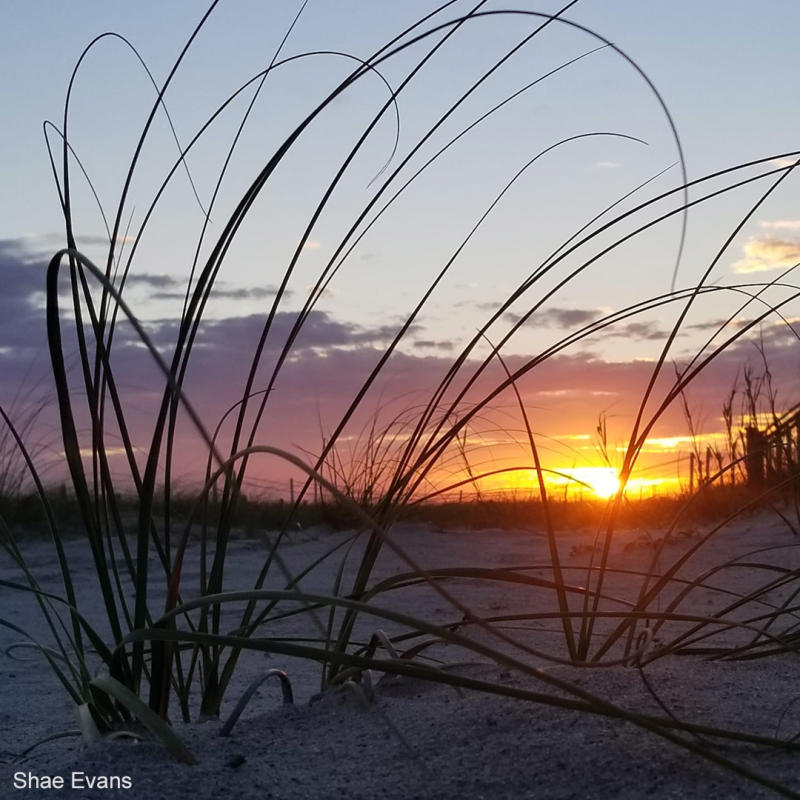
x,y
710,325
45,244
782,224
424,344
238,293
234,339
171,287
21,313
768,253
167,295
311,244
575,318
245,293
637,330
564,318
784,162
331,358
567,317
606,165
719,325
152,281
102,241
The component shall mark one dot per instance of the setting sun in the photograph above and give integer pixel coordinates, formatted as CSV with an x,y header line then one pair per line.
x,y
603,481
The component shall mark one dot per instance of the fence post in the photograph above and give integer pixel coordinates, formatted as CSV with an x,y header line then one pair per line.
x,y
755,442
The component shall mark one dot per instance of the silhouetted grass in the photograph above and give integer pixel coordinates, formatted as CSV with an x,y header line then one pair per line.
x,y
159,649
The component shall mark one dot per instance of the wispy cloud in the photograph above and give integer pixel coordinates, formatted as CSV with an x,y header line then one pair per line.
x,y
638,330
709,325
44,243
430,344
606,165
784,162
94,239
152,281
568,317
565,318
574,318
762,254
781,224
240,293
170,287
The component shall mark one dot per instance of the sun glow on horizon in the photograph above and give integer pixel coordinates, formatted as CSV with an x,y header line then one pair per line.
x,y
602,481
574,483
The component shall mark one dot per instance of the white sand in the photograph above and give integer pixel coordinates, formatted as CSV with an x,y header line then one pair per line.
x,y
466,745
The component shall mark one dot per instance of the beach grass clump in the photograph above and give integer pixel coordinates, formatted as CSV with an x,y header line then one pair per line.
x,y
160,638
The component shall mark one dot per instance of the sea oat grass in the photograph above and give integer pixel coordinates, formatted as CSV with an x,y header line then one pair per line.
x,y
164,638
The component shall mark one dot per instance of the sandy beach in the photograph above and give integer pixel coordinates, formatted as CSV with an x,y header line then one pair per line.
x,y
417,739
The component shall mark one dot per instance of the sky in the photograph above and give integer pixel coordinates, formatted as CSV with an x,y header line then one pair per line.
x,y
711,83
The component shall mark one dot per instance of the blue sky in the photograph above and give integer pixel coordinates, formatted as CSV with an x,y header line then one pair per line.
x,y
726,71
